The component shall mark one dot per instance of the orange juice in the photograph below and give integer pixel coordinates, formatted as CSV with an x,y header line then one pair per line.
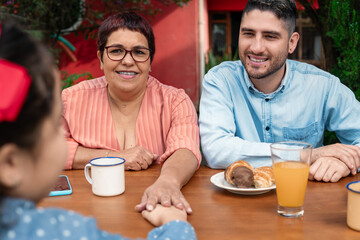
x,y
291,178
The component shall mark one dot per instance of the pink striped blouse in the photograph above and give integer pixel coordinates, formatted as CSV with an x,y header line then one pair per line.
x,y
167,119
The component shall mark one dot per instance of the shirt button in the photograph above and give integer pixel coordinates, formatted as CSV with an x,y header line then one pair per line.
x,y
267,128
266,99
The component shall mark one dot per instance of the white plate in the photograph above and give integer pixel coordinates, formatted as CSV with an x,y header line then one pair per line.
x,y
219,181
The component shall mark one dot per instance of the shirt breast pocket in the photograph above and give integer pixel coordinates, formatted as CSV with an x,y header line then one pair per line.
x,y
308,134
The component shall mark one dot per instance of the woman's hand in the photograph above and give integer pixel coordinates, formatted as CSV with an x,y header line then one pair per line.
x,y
162,215
328,169
137,158
176,171
164,192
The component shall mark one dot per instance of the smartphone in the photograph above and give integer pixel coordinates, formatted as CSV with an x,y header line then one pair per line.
x,y
61,187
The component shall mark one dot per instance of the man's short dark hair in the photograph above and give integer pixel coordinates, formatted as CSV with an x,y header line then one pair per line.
x,y
283,9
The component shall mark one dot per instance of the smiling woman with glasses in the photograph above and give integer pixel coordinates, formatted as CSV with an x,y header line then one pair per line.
x,y
128,113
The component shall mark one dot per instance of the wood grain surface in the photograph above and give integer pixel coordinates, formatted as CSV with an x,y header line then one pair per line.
x,y
217,213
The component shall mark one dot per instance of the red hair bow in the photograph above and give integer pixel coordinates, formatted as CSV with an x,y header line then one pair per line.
x,y
14,86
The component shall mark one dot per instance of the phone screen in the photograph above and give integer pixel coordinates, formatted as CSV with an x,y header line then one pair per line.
x,y
61,187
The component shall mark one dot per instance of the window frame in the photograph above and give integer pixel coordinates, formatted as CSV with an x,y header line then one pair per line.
x,y
227,22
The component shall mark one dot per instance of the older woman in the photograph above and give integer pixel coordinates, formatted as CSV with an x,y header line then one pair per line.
x,y
128,113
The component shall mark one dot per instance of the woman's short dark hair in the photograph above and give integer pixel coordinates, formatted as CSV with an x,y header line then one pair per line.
x,y
19,47
126,20
283,9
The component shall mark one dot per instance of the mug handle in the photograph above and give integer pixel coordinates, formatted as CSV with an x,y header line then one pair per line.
x,y
87,176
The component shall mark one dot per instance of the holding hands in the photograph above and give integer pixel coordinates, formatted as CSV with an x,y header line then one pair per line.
x,y
332,162
162,215
175,173
166,193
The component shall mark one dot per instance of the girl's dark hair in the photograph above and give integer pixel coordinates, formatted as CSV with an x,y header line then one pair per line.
x,y
126,20
283,9
19,47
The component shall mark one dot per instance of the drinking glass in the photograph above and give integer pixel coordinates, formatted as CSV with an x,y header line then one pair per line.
x,y
291,163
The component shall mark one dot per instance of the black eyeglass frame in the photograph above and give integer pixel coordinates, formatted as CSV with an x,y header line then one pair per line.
x,y
126,52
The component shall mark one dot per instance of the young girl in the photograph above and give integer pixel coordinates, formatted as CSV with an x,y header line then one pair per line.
x,y
33,151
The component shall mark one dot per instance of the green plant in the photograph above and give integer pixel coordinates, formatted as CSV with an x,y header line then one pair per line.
x,y
338,24
69,79
53,17
212,60
345,32
47,20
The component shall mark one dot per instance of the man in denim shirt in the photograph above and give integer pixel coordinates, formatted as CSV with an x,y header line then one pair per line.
x,y
265,98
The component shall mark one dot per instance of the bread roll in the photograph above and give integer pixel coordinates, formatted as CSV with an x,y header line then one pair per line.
x,y
263,177
240,174
270,171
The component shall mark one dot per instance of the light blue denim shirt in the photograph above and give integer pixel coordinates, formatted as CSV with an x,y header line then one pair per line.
x,y
239,122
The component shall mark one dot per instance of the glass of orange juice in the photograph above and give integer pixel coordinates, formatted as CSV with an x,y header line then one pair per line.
x,y
291,163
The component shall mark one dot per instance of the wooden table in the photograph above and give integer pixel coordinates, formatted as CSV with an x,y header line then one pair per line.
x,y
217,213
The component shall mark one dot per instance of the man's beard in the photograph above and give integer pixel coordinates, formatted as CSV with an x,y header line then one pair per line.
x,y
277,64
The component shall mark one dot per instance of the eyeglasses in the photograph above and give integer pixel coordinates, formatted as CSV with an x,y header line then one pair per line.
x,y
116,53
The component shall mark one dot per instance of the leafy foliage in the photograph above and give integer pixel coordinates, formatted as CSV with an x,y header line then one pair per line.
x,y
49,19
338,24
53,17
212,60
345,31
69,79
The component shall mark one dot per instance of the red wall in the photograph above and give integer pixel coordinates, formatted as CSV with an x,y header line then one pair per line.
x,y
226,5
239,5
176,58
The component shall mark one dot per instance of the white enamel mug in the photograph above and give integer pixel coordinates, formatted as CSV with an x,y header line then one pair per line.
x,y
353,205
107,176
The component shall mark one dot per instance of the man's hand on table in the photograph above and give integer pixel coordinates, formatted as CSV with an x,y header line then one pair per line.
x,y
328,169
348,154
164,192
